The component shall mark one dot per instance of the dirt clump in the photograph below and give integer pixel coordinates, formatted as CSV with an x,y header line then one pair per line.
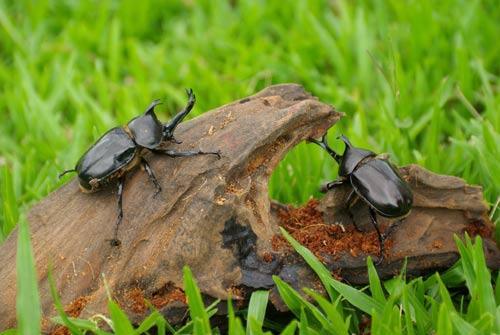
x,y
72,310
167,295
478,228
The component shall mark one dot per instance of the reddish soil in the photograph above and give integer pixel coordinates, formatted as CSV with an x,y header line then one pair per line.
x,y
306,225
72,310
267,257
164,297
477,227
135,301
238,296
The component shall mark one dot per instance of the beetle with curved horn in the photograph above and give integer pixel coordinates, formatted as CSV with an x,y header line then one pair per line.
x,y
122,148
374,180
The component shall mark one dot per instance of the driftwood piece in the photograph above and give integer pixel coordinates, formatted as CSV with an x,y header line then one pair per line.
x,y
216,216
444,206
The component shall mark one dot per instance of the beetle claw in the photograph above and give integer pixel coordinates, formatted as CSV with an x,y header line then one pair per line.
x,y
218,153
175,141
115,242
190,94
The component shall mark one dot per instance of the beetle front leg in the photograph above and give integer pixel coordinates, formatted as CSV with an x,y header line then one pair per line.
x,y
349,203
169,127
173,153
115,242
328,186
373,218
151,176
324,144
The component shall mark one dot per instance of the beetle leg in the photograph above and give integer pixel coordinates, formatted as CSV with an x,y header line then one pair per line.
x,y
173,153
115,241
380,238
328,186
349,203
175,141
169,127
151,176
388,232
324,144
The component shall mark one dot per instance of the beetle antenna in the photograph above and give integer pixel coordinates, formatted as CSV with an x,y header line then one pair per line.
x,y
169,127
64,172
324,144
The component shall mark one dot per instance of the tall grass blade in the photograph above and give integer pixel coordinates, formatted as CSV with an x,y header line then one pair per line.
x,y
28,301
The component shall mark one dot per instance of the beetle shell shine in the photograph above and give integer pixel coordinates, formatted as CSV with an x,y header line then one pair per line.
x,y
113,152
381,186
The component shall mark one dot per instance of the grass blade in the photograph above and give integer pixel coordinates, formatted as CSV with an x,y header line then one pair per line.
x,y
257,309
375,286
28,301
121,323
196,309
235,326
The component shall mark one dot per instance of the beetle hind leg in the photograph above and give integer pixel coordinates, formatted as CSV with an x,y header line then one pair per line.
x,y
115,242
388,232
373,218
151,176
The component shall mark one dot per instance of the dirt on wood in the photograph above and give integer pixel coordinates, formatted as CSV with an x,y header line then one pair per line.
x,y
307,226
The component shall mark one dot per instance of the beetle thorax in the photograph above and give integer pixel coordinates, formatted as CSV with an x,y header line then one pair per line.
x,y
146,130
352,158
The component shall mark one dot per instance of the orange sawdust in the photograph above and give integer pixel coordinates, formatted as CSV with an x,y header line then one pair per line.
x,y
170,294
437,244
134,300
267,257
74,309
478,227
306,225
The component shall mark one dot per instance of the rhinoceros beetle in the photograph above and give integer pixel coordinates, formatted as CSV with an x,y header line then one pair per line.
x,y
374,180
122,148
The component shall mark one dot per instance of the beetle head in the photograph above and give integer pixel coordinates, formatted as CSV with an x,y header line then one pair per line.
x,y
352,157
146,129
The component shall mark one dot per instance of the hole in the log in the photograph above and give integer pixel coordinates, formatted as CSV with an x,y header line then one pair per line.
x,y
298,176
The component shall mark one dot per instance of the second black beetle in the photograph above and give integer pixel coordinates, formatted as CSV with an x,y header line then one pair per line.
x,y
373,179
122,148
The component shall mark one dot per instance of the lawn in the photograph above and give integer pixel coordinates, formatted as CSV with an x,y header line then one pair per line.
x,y
416,79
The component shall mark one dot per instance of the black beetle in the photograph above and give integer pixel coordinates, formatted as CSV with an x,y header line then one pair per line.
x,y
373,179
122,148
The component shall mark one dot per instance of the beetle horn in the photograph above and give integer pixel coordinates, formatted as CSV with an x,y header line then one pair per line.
x,y
345,140
152,106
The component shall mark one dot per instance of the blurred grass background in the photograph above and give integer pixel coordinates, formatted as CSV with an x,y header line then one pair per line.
x,y
417,79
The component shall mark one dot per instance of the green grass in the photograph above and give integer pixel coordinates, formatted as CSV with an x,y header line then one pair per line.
x,y
417,79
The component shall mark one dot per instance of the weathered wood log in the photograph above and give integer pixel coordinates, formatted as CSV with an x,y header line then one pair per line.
x,y
216,217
